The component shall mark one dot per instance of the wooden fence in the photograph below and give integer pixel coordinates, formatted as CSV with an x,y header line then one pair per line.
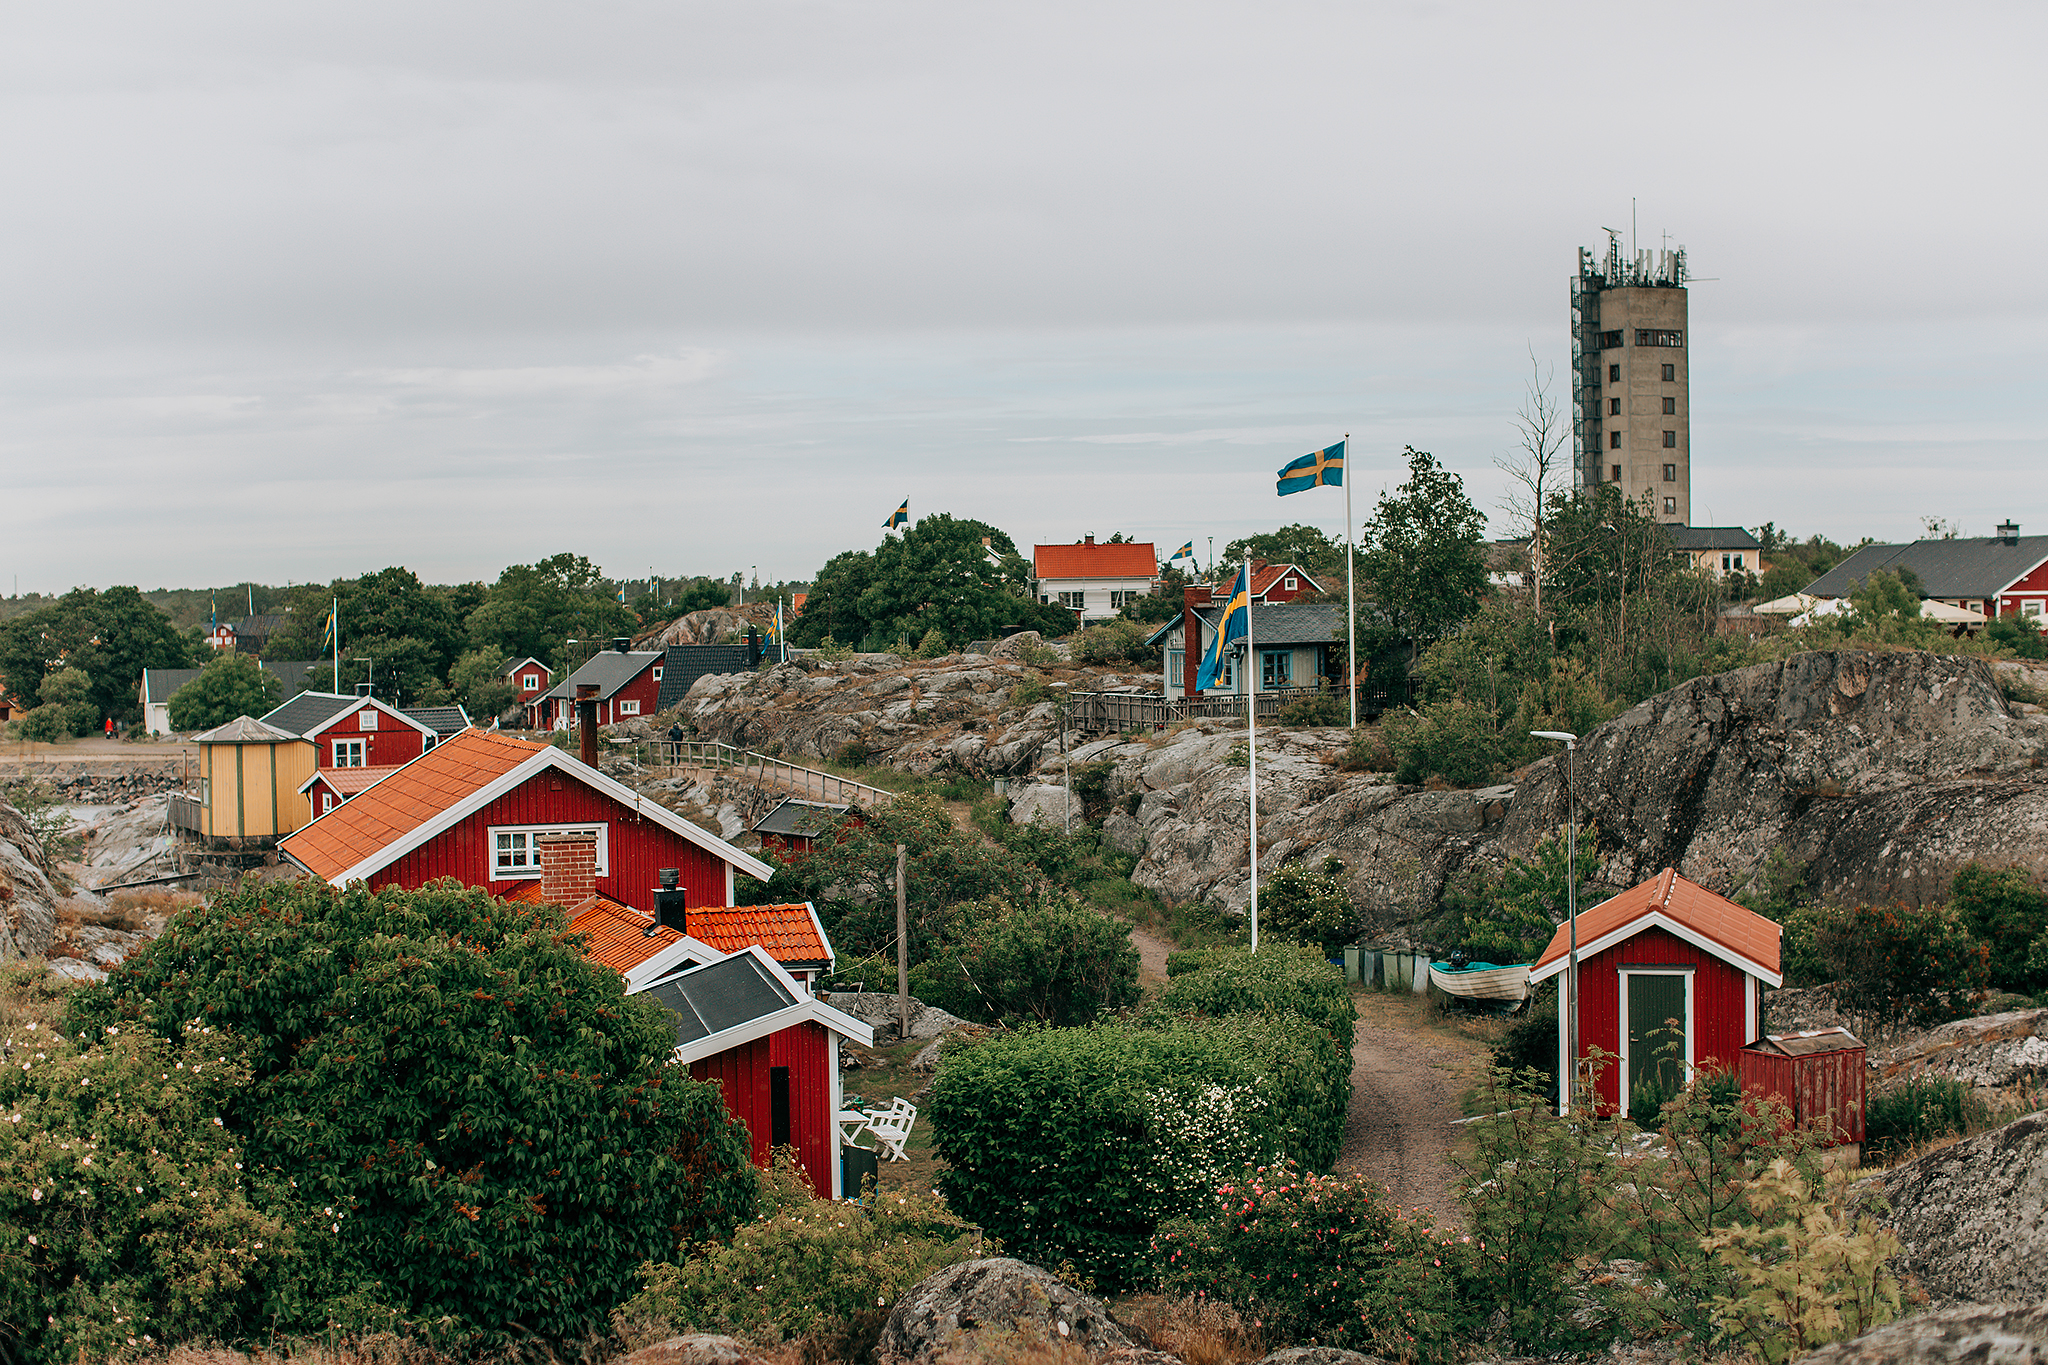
x,y
1114,712
763,771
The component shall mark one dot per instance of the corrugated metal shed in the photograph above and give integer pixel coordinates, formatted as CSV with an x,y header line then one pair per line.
x,y
1818,1075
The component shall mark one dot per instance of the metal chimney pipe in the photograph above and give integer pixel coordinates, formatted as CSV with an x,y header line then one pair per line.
x,y
586,720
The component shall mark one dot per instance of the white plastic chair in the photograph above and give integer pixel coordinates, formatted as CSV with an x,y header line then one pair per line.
x,y
892,1126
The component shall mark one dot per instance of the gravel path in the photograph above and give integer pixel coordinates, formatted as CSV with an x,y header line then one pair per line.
x,y
1406,1086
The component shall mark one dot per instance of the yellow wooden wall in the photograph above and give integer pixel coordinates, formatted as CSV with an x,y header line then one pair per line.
x,y
252,789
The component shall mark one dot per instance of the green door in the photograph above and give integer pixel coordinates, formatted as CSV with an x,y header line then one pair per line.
x,y
1656,1032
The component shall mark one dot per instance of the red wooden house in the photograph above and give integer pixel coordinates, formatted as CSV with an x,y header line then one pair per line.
x,y
773,1050
1662,964
627,683
530,679
1274,583
329,787
477,807
353,732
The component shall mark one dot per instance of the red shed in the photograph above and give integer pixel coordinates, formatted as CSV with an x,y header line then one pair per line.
x,y
1667,955
773,1049
1818,1075
477,807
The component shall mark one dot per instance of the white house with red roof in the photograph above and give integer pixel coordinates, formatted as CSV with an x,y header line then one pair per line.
x,y
1095,581
477,807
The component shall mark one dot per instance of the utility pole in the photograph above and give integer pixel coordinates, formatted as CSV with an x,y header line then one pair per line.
x,y
902,943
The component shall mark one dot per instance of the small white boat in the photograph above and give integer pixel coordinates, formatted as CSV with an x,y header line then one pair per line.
x,y
1481,981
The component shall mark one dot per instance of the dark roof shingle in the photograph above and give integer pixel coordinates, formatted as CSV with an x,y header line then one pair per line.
x,y
687,663
610,670
1945,568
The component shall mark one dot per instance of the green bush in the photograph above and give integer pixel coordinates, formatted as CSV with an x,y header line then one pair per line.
x,y
130,1218
1916,1110
1111,642
1317,709
1531,1044
1030,691
45,724
2008,912
1280,979
810,1268
852,754
1454,741
1310,905
1323,1259
1072,1144
932,646
1799,948
1902,964
505,1131
1368,752
1049,960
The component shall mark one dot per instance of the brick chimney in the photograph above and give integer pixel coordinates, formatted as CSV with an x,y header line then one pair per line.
x,y
1192,595
568,867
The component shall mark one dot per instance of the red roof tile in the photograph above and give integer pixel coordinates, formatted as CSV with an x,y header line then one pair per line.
x,y
618,933
1735,931
788,932
1126,559
349,781
405,800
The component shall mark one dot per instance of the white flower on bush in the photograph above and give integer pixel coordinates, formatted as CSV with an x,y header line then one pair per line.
x,y
1200,1138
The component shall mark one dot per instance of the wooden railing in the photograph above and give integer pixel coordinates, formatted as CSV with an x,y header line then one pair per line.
x,y
184,811
1113,712
763,771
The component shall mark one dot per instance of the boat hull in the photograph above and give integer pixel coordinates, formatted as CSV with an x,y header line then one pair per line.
x,y
1495,983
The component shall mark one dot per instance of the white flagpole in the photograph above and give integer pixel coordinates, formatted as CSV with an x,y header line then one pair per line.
x,y
1350,594
335,614
1251,692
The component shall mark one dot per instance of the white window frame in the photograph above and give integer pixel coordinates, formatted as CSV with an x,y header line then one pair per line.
x,y
1691,1035
1074,601
326,802
366,719
1293,584
628,708
350,753
2032,608
530,683
657,672
523,846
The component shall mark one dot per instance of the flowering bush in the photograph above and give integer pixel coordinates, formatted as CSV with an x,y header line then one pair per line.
x,y
1320,1259
1281,978
129,1214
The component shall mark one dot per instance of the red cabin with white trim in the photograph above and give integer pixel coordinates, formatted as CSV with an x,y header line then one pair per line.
x,y
1670,979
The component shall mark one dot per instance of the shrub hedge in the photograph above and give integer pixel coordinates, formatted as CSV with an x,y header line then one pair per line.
x,y
1279,979
1072,1144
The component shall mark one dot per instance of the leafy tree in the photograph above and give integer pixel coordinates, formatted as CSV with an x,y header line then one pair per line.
x,y
703,595
936,575
1902,964
1511,918
68,694
502,1132
1307,546
2008,913
1883,594
230,685
111,636
1049,959
479,687
2018,636
534,609
1425,562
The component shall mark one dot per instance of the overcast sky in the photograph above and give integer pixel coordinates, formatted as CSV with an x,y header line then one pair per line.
x,y
293,291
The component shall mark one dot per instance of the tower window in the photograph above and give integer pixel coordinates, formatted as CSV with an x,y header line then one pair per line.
x,y
1671,406
1614,407
1614,374
1657,336
1671,473
1610,340
1671,507
1614,440
1617,474
1670,374
1671,440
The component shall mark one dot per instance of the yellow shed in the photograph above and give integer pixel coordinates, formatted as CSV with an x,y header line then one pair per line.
x,y
249,779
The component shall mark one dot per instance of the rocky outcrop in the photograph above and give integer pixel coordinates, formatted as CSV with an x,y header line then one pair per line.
x,y
709,626
1991,1050
877,1009
1994,1334
28,899
960,713
998,1294
1883,772
1973,1217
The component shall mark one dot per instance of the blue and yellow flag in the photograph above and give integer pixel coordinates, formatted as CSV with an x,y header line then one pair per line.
x,y
899,517
327,635
1229,626
1322,466
1186,551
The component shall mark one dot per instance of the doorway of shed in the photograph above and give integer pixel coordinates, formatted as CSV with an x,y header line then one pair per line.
x,y
1656,1031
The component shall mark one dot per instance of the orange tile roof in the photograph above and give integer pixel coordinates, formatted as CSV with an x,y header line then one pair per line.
x,y
618,933
1738,932
1126,559
788,932
349,781
405,800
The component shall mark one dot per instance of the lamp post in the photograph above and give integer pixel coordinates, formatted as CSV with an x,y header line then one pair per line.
x,y
1066,765
1571,891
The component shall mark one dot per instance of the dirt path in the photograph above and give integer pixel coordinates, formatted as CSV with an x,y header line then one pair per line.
x,y
1409,1074
1152,951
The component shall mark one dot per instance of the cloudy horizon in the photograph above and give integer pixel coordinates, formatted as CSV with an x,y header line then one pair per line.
x,y
714,286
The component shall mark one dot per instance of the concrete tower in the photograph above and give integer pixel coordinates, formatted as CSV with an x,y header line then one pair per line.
x,y
1629,385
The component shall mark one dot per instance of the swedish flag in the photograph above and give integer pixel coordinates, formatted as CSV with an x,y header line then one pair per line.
x,y
1232,625
1319,467
327,635
1186,551
899,517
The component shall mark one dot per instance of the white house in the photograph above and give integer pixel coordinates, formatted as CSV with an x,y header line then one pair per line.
x,y
1096,581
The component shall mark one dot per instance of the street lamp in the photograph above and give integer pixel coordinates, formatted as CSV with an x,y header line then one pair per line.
x,y
1066,765
1571,891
